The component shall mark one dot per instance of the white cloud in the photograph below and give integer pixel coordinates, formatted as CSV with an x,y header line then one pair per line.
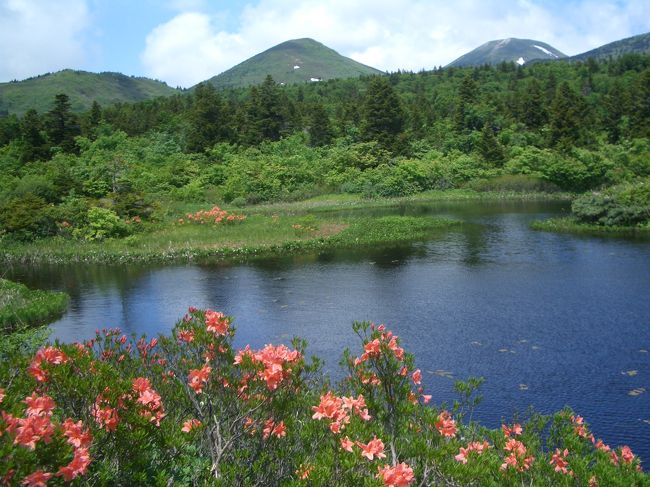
x,y
390,35
38,36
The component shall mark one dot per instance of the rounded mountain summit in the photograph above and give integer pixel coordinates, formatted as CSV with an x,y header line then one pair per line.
x,y
508,50
294,61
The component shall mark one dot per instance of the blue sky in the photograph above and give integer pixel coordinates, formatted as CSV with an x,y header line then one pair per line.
x,y
183,42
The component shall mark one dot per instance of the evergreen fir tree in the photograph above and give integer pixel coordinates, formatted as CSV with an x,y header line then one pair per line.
x,y
207,120
534,107
265,117
489,147
33,144
616,104
320,128
640,116
62,125
383,117
568,118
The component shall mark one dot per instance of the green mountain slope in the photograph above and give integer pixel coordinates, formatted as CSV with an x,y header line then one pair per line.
x,y
82,87
637,44
295,61
519,51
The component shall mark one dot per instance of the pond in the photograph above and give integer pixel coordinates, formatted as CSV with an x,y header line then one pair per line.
x,y
548,320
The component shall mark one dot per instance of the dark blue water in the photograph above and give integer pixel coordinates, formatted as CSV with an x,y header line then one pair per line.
x,y
548,320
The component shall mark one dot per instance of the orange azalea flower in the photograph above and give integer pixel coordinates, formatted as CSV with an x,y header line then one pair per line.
x,y
401,475
515,429
304,471
347,444
216,322
445,425
186,336
559,461
627,455
190,424
397,350
32,429
374,448
417,377
39,405
37,479
477,446
271,428
78,466
329,405
2,394
77,436
198,377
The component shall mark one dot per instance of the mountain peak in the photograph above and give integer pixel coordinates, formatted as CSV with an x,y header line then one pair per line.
x,y
293,61
510,49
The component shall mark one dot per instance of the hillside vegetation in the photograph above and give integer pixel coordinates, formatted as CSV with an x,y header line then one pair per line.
x,y
115,171
82,87
632,45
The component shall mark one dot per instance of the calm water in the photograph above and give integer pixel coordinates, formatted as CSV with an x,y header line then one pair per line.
x,y
549,320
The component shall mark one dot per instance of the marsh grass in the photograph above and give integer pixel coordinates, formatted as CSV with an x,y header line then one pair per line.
x,y
269,229
571,225
21,307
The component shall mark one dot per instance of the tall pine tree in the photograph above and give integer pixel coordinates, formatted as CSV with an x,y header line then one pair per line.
x,y
320,128
33,144
62,125
207,119
383,117
568,118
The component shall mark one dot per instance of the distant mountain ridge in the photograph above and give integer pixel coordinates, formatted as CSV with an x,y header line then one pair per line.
x,y
519,51
294,61
639,44
82,88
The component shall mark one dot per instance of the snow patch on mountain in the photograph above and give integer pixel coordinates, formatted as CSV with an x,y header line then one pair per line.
x,y
520,61
545,51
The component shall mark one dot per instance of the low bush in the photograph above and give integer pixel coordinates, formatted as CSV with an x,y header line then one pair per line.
x,y
626,204
514,182
190,409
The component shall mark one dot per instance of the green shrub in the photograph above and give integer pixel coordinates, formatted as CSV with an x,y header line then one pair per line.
x,y
102,223
514,182
627,204
28,218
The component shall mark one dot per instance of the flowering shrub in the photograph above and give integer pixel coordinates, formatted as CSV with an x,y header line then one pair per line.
x,y
214,216
189,408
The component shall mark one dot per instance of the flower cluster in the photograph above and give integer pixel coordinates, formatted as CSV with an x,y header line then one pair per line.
x,y
36,427
216,322
446,425
105,415
339,409
150,400
48,355
197,378
475,446
558,460
401,475
516,457
274,361
215,215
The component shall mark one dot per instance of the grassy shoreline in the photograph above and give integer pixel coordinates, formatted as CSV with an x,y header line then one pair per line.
x,y
317,224
22,308
570,225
